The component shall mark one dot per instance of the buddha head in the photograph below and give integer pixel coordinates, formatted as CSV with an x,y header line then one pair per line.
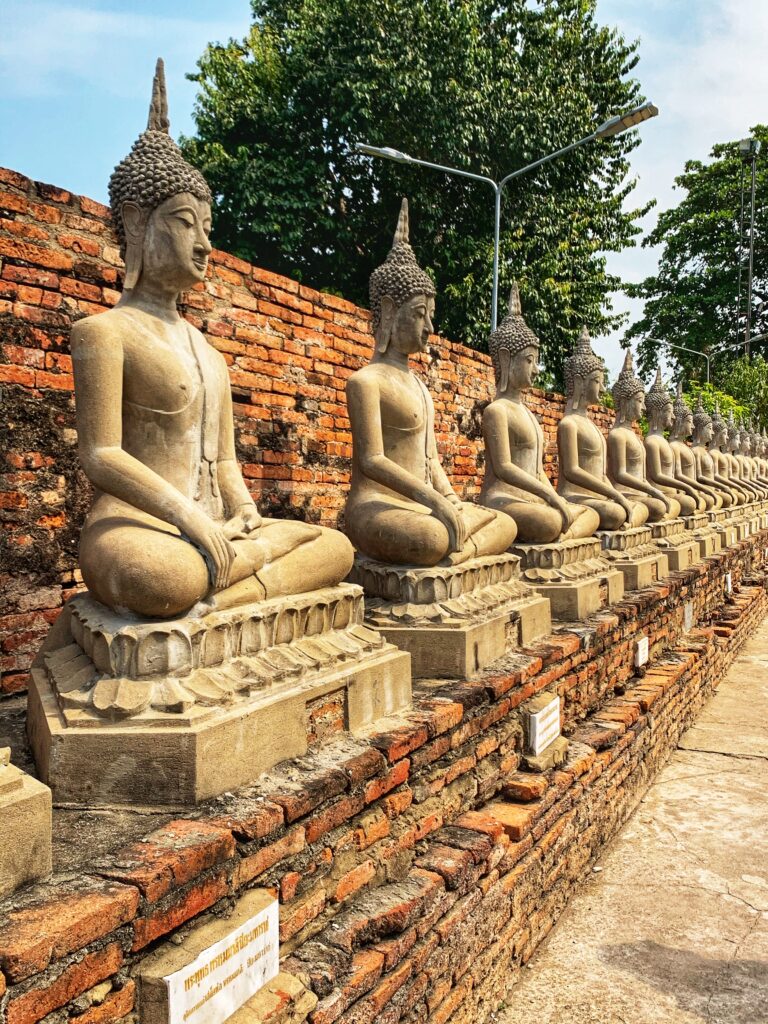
x,y
682,417
719,428
514,348
703,431
402,296
764,444
584,374
734,440
745,438
161,206
628,393
658,402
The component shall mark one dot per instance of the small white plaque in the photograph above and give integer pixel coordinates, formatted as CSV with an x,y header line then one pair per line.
x,y
544,727
688,616
641,651
225,976
728,583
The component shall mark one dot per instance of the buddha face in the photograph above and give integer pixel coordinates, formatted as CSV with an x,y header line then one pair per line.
x,y
173,239
409,325
635,406
666,415
707,433
687,424
594,387
523,366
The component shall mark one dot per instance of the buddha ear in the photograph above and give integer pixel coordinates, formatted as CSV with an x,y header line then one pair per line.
x,y
578,384
386,323
504,360
134,219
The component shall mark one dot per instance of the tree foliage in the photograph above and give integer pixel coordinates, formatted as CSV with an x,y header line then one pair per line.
x,y
692,299
474,84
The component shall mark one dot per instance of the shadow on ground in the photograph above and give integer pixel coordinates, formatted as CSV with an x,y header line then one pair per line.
x,y
714,990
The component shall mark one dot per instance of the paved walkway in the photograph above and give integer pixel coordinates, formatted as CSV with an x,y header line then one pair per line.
x,y
672,928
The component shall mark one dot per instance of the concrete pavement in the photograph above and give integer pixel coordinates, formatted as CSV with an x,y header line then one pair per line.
x,y
672,927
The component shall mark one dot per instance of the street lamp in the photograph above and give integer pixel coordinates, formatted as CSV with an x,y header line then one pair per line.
x,y
613,126
748,151
684,348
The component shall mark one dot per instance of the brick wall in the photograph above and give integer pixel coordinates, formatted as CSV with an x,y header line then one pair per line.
x,y
290,351
417,870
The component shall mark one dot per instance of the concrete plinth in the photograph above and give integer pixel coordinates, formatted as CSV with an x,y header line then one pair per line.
x,y
703,533
453,620
25,828
672,538
574,575
173,713
634,553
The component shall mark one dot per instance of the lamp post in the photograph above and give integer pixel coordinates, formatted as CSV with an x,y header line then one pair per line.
x,y
613,126
683,348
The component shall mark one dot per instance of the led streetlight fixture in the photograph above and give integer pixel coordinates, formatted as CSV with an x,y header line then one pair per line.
x,y
613,126
623,122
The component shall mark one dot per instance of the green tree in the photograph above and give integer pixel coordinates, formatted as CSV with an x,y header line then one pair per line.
x,y
474,84
692,299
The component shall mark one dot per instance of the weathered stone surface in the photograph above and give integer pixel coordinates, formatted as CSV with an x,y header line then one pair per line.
x,y
25,827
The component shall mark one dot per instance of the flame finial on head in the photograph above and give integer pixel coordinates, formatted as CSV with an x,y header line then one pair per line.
x,y
701,418
158,108
581,362
658,397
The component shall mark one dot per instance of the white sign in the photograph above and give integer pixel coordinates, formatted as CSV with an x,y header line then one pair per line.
x,y
544,726
728,583
224,976
641,651
688,616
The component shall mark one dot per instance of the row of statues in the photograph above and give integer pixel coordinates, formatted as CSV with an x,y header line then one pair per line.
x,y
173,527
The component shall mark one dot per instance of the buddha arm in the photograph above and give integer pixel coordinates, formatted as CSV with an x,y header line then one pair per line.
x,y
98,370
234,492
568,450
496,436
617,463
365,418
653,457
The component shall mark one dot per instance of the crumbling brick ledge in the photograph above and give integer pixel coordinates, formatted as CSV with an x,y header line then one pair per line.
x,y
417,870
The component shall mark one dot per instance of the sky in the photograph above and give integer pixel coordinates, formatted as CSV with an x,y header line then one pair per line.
x,y
75,77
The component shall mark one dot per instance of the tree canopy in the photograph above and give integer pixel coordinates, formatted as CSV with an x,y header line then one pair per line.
x,y
475,84
692,299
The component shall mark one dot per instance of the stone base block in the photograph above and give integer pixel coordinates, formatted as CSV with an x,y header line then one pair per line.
x,y
574,575
635,554
25,829
453,620
173,713
703,533
555,754
675,542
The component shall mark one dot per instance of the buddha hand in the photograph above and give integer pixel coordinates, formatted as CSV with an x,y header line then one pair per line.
x,y
452,518
209,538
243,523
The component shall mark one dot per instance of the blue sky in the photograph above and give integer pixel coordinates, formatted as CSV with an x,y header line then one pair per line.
x,y
75,78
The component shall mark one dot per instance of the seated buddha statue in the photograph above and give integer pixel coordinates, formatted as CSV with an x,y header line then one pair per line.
x,y
717,448
685,460
704,468
581,446
737,469
515,481
401,508
659,452
626,452
172,526
747,462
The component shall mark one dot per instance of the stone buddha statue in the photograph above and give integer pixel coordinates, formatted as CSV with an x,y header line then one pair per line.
x,y
703,434
626,452
747,462
401,508
717,449
515,481
659,452
737,468
581,446
172,525
685,460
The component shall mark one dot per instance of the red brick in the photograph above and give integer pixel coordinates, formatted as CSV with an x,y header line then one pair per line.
x,y
34,936
525,787
35,254
396,743
353,880
255,823
265,858
516,818
73,981
394,777
172,914
171,856
298,915
338,812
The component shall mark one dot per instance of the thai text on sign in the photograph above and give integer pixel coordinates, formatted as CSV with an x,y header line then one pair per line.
x,y
544,727
225,976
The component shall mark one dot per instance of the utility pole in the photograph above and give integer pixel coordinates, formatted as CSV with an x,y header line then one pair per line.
x,y
748,150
